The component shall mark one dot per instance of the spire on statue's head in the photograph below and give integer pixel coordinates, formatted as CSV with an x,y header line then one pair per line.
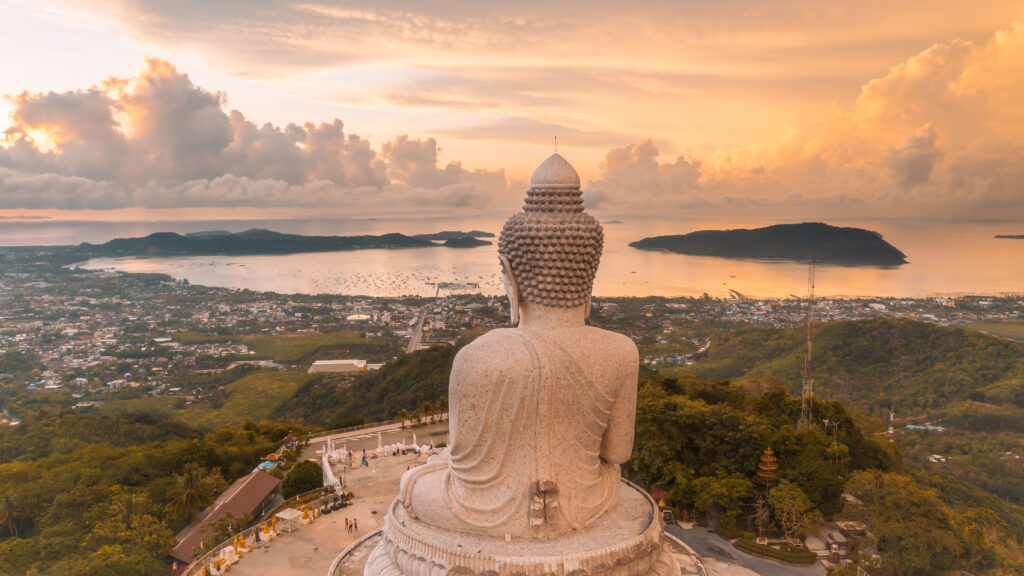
x,y
553,246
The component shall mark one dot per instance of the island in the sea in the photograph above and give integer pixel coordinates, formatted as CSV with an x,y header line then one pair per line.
x,y
259,241
1010,236
449,234
830,244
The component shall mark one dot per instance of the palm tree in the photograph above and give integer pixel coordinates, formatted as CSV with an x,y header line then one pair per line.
x,y
193,490
403,415
8,515
126,507
442,406
428,410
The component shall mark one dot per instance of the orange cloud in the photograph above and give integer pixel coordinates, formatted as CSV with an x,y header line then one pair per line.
x,y
940,132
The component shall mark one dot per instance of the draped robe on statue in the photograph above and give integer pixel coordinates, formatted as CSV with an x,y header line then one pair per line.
x,y
528,436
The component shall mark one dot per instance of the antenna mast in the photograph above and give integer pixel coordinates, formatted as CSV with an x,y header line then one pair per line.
x,y
891,432
806,408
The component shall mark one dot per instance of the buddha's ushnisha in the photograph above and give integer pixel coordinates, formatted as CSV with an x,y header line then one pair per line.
x,y
541,414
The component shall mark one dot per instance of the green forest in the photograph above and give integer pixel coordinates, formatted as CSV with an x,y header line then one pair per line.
x,y
701,442
99,494
876,364
970,383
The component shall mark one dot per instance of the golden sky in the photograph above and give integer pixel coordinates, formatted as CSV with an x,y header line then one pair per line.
x,y
137,108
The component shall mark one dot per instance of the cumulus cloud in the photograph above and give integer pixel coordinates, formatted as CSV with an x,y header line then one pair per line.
x,y
159,141
414,162
47,191
940,134
912,164
632,176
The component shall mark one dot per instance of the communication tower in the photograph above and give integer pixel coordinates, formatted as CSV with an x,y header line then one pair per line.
x,y
891,431
806,409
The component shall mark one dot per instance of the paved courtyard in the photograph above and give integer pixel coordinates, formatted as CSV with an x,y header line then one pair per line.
x,y
310,550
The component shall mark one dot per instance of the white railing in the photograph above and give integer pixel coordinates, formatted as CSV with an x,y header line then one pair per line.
x,y
429,420
313,435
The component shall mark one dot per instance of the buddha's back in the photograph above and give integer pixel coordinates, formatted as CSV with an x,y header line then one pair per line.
x,y
540,421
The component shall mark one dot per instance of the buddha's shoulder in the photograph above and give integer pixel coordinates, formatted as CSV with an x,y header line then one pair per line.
x,y
613,340
510,342
490,351
498,339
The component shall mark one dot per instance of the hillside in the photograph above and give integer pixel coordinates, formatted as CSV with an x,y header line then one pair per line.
x,y
875,364
66,432
253,397
110,502
404,384
701,441
832,244
972,384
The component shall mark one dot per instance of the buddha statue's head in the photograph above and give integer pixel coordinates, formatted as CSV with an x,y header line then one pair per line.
x,y
550,251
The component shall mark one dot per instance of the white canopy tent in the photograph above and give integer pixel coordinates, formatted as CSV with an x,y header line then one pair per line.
x,y
289,519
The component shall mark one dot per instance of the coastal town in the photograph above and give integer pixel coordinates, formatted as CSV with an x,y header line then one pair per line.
x,y
74,338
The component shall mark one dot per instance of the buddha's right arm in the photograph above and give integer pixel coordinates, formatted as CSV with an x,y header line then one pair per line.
x,y
617,443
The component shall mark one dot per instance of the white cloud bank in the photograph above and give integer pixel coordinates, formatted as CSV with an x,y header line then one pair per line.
x,y
159,141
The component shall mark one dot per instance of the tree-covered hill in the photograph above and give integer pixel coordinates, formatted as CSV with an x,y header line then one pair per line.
x,y
65,432
689,429
833,244
701,442
883,362
404,384
110,501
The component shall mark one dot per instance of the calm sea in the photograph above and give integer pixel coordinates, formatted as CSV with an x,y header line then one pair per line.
x,y
946,258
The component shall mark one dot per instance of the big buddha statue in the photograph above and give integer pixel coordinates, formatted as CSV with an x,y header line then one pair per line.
x,y
542,416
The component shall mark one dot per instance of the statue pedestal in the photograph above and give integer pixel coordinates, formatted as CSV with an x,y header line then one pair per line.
x,y
625,541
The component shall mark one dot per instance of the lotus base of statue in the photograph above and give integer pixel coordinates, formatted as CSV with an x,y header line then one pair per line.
x,y
625,541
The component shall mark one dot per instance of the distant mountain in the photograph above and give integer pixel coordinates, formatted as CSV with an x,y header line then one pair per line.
x,y
449,234
254,241
1011,236
850,246
208,234
465,242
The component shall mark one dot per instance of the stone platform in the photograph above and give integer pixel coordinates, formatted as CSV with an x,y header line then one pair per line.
x,y
352,562
625,541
